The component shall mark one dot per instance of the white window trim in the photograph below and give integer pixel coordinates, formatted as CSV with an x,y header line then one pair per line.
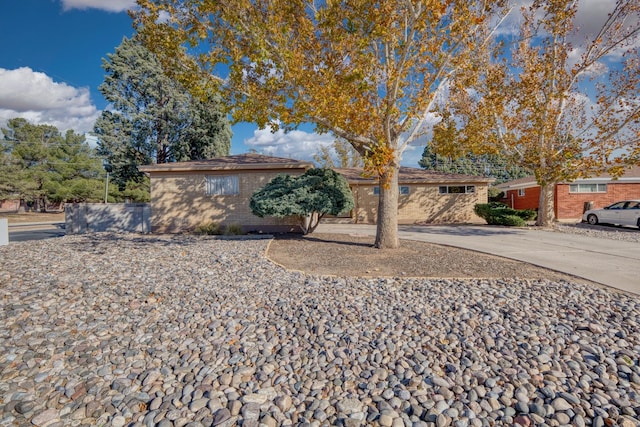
x,y
521,192
576,188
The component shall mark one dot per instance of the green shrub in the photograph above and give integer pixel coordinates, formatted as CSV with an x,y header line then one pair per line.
x,y
209,228
526,214
510,221
499,214
233,230
485,210
309,197
495,194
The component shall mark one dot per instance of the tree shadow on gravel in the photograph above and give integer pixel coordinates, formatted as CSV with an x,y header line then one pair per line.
x,y
326,240
94,241
355,256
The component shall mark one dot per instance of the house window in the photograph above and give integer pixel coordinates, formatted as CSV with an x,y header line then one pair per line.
x,y
520,192
222,185
457,189
587,188
402,189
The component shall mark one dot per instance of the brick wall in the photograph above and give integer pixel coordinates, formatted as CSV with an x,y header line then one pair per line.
x,y
529,200
9,205
179,201
423,204
571,205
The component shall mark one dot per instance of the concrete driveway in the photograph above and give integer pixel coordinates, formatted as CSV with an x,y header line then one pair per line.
x,y
609,262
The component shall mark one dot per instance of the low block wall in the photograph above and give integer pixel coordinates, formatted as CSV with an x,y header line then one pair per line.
x,y
115,217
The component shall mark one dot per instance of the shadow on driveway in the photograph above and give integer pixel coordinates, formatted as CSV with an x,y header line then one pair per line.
x,y
462,230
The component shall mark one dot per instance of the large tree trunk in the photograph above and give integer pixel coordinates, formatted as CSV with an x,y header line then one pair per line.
x,y
546,203
310,222
387,223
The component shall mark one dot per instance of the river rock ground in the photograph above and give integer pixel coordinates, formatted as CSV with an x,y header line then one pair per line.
x,y
194,331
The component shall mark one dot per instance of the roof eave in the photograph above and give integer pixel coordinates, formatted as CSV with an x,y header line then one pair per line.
x,y
213,168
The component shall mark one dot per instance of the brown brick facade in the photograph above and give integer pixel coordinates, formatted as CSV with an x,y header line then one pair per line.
x,y
180,202
179,199
423,205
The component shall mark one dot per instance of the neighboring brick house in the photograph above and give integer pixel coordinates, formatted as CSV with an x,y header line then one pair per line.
x,y
571,198
9,205
185,195
426,197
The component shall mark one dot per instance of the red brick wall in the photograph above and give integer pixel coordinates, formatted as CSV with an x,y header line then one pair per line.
x,y
570,205
9,205
528,201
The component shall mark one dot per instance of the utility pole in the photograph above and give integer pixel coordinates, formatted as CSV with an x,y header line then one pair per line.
x,y
108,168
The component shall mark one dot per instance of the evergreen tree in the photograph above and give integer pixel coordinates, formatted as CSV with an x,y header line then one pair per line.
x,y
41,165
309,196
467,163
487,165
154,118
209,133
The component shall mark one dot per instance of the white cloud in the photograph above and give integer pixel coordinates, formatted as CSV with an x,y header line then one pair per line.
x,y
590,16
37,98
303,145
412,155
106,5
296,144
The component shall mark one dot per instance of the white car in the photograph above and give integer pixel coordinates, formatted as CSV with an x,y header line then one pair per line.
x,y
626,212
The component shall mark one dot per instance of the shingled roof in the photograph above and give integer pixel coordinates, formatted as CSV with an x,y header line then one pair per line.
x,y
631,175
411,176
235,162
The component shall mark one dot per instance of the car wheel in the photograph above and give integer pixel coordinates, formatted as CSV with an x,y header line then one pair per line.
x,y
638,223
592,219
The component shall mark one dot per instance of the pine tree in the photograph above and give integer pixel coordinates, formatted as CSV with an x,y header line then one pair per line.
x,y
154,118
446,153
42,165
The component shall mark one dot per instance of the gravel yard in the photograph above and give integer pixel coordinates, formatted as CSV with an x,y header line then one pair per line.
x,y
119,330
627,234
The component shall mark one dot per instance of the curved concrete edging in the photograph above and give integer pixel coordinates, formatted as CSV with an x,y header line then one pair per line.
x,y
610,262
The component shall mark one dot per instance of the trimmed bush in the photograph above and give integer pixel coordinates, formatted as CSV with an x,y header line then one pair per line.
x,y
309,197
500,214
495,194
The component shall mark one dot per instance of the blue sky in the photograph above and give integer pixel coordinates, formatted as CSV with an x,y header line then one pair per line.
x,y
51,67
